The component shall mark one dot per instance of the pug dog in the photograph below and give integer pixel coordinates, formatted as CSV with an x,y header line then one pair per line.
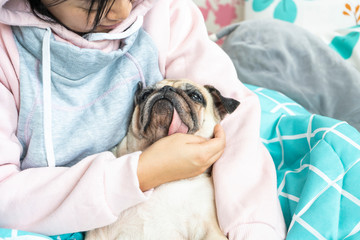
x,y
179,210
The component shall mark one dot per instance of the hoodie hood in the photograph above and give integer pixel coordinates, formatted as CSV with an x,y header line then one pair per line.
x,y
18,13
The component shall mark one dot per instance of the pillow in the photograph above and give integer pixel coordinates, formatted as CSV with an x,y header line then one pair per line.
x,y
336,22
281,56
345,42
314,15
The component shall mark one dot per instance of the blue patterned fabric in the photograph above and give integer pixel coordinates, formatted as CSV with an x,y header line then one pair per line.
x,y
12,234
317,161
346,41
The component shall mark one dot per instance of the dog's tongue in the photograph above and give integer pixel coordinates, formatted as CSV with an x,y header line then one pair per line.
x,y
177,126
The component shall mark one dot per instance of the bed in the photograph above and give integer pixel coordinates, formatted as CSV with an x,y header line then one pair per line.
x,y
302,60
303,63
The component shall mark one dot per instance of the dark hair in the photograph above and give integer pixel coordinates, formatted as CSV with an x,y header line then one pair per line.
x,y
41,11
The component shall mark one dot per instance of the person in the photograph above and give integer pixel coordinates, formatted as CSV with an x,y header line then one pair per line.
x,y
68,73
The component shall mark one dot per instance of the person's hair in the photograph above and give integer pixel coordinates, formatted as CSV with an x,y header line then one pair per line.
x,y
41,11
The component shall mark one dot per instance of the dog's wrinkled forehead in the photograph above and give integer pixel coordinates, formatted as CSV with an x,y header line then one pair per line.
x,y
182,84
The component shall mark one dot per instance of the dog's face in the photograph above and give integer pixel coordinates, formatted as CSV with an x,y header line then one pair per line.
x,y
174,106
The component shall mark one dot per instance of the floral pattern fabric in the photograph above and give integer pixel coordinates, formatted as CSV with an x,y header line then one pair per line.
x,y
315,15
336,22
220,13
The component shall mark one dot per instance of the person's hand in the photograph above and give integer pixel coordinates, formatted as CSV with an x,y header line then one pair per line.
x,y
178,156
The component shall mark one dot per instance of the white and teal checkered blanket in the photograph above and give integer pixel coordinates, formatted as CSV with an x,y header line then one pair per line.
x,y
317,160
318,170
13,234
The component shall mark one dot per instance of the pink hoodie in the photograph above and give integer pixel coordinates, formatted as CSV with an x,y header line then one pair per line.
x,y
93,192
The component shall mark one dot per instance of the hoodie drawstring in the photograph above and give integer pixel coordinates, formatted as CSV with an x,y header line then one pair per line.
x,y
47,115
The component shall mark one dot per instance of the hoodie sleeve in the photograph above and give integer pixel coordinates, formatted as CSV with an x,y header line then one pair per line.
x,y
57,200
244,177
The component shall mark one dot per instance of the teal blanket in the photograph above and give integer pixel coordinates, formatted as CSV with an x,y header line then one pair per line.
x,y
13,234
318,171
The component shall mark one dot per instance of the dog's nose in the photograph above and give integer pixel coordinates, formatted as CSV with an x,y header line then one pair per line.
x,y
167,88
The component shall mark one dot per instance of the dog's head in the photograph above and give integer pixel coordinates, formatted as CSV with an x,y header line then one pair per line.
x,y
174,106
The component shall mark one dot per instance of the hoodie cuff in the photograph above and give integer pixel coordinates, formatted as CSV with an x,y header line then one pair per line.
x,y
254,231
122,188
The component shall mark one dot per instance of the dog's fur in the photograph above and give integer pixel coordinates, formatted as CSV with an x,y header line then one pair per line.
x,y
182,209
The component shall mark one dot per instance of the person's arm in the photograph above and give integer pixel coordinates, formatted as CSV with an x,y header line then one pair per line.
x,y
244,177
61,200
93,192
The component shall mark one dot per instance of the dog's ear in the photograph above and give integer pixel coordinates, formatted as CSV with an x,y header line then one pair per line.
x,y
223,105
138,91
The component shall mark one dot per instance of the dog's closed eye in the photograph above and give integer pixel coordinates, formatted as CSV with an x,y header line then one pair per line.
x,y
196,96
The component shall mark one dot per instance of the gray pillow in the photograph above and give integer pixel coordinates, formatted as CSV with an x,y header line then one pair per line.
x,y
289,59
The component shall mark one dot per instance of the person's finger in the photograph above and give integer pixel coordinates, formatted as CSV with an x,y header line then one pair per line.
x,y
219,131
215,157
213,148
218,141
